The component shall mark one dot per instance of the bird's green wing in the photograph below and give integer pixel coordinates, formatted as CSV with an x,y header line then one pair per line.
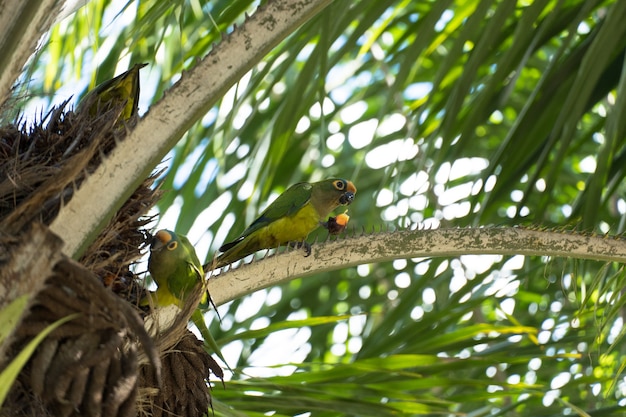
x,y
195,267
191,256
288,203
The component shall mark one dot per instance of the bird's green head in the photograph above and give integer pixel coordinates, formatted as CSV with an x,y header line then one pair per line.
x,y
329,194
344,189
347,189
164,240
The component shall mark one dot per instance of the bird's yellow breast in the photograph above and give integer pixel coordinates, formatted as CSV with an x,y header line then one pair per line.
x,y
293,228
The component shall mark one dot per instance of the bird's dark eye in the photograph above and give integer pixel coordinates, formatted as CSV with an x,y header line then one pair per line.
x,y
172,245
340,185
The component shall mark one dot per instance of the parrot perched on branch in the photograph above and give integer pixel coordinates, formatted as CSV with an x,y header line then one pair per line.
x,y
118,91
289,219
176,269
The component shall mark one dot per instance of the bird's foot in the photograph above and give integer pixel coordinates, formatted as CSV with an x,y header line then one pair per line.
x,y
303,244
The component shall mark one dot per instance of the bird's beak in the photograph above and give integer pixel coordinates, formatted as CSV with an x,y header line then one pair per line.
x,y
347,197
160,239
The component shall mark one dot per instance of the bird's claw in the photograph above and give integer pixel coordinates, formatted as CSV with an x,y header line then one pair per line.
x,y
303,244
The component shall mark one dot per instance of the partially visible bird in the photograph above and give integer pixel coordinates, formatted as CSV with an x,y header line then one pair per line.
x,y
122,90
176,269
289,219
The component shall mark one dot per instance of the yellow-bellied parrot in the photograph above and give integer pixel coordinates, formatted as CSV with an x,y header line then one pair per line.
x,y
176,269
289,219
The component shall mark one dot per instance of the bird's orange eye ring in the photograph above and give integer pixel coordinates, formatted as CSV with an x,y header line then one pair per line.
x,y
340,184
172,245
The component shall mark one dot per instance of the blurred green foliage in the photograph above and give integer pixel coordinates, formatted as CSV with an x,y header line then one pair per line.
x,y
444,113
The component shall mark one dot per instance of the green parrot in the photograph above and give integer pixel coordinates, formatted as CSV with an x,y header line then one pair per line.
x,y
121,90
289,219
176,269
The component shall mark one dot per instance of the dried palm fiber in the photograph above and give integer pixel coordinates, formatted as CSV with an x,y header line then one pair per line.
x,y
87,366
43,166
186,372
90,365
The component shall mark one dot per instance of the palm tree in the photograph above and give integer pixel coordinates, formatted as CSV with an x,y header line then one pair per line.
x,y
497,124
